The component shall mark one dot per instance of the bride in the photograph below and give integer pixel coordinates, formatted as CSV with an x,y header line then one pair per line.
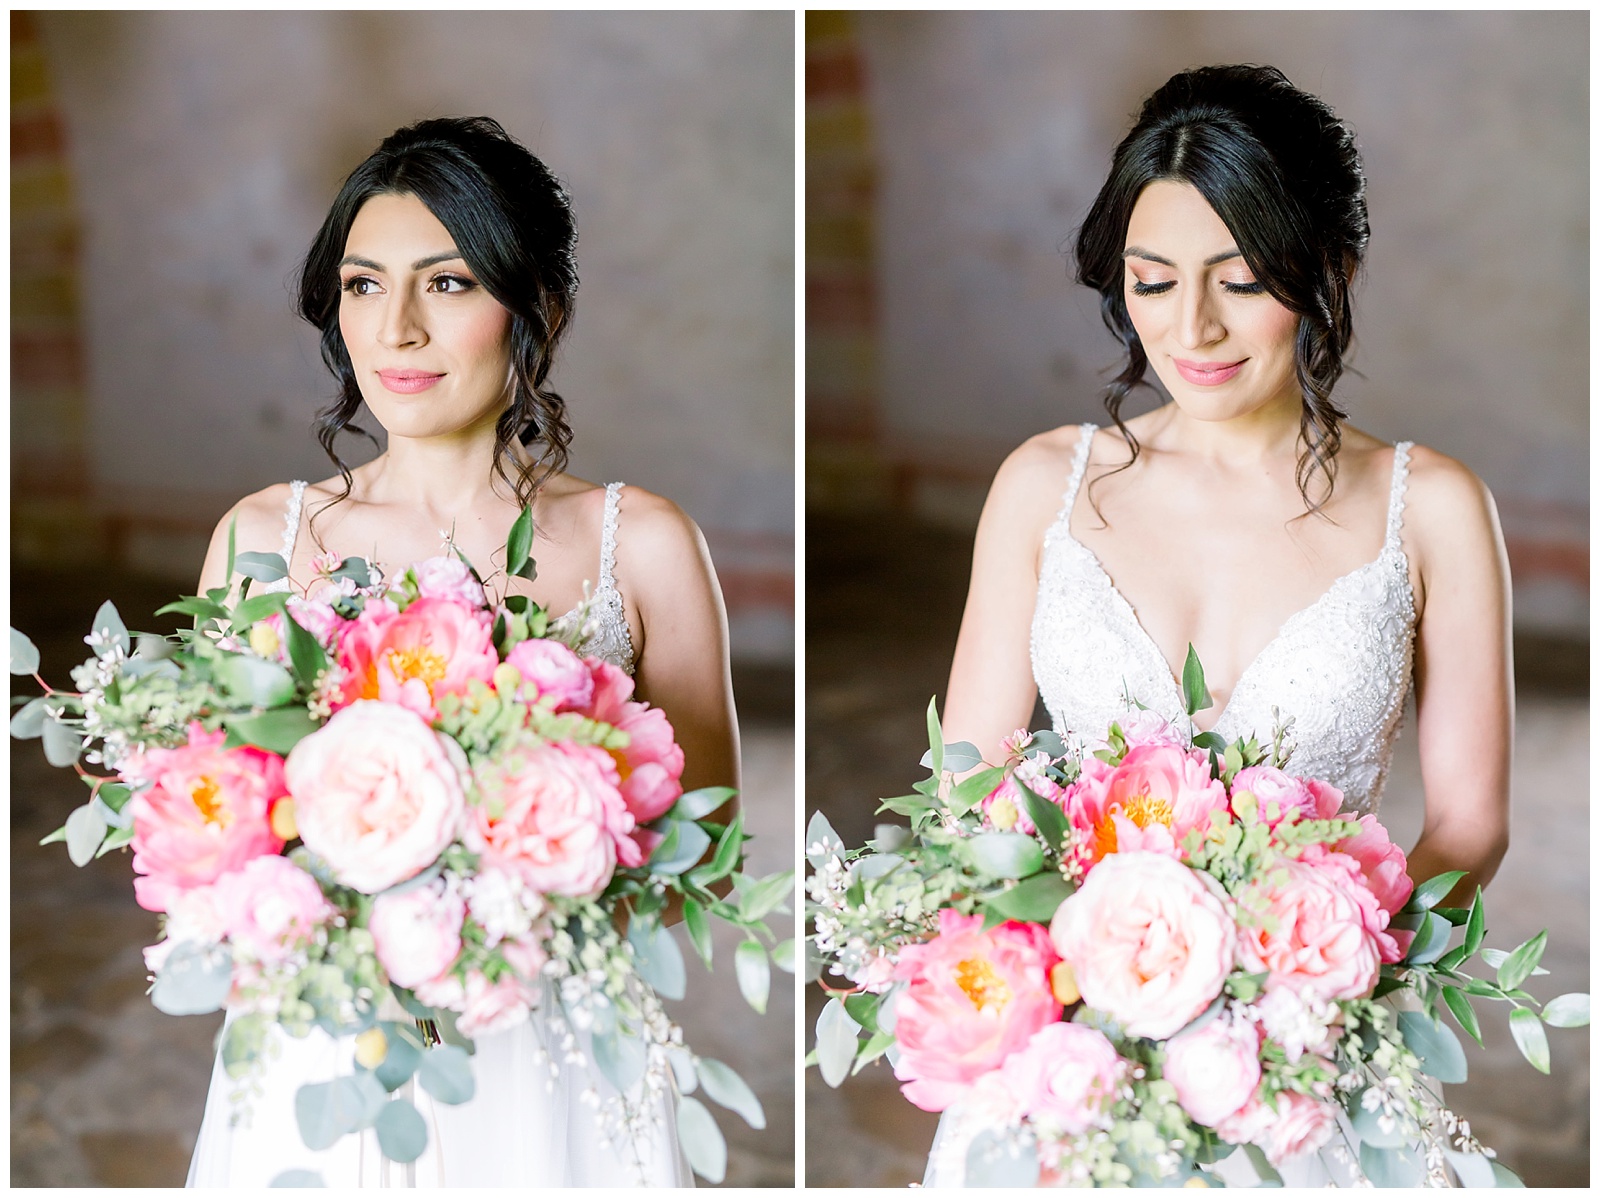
x,y
442,282
1313,567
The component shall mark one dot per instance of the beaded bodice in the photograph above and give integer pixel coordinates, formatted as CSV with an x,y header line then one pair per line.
x,y
604,619
1341,667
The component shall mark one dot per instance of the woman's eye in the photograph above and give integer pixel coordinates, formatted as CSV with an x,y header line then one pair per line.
x,y
359,285
1243,288
452,284
1142,288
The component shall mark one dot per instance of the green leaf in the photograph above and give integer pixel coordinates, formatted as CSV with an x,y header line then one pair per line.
x,y
305,651
783,955
701,1140
1504,1178
759,900
1475,924
259,608
62,742
1195,695
1046,816
192,981
28,723
1034,900
1528,1032
1473,1168
1211,741
1003,854
254,681
682,849
1432,939
242,1042
969,792
1431,893
837,1034
694,918
728,1089
203,609
402,1135
754,974
1568,1010
935,740
446,1073
877,1044
277,731
726,857
1456,915
1391,1168
619,1054
114,840
400,1062
59,834
519,543
326,1111
657,958
233,529
263,567
1522,962
1258,1159
1436,1045
86,828
1461,1008
863,1008
1452,959
357,571
24,654
297,1179
822,842
697,804
958,758
110,630
998,1160
1366,1124
1494,958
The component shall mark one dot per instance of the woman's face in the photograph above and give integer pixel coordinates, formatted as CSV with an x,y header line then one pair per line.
x,y
1220,344
430,346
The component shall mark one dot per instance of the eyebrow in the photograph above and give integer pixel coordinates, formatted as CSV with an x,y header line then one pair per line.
x,y
1134,251
419,264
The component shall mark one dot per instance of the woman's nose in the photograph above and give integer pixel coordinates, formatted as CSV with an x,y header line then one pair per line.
x,y
402,322
1199,322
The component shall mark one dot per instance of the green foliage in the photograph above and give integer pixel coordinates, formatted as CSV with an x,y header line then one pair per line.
x,y
446,1073
402,1134
754,974
1195,695
518,545
701,1141
728,1089
1528,1032
657,958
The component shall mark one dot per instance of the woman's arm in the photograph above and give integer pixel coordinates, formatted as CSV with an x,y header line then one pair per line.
x,y
1463,674
991,692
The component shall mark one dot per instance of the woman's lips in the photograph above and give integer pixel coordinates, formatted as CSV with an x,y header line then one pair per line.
x,y
408,382
1207,374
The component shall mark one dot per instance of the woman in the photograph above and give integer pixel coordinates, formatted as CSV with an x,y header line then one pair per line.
x,y
442,281
1314,568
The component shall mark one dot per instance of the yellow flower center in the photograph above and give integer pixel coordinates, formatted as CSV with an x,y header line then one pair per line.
x,y
417,661
1145,810
983,987
1003,813
211,810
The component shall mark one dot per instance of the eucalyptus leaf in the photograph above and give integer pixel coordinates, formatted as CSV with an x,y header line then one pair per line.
x,y
958,758
1033,900
110,633
1195,695
62,742
1431,941
657,957
888,838
297,1179
1004,854
1528,1032
813,962
327,1111
277,731
193,605
754,974
697,804
1391,1168
701,1140
402,1135
242,1043
1436,1045
254,681
1504,1178
685,844
994,1159
263,567
728,1089
619,1054
837,1034
1473,1168
86,828
399,1062
822,842
28,723
446,1073
194,980
683,1069
1368,1124
24,654
1268,1176
1568,1010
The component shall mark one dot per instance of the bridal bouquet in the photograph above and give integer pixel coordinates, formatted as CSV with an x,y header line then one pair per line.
x,y
1118,963
406,815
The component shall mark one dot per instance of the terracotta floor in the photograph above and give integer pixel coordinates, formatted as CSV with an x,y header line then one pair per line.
x,y
882,613
107,1091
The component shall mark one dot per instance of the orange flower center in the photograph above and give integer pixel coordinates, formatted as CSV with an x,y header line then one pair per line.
x,y
211,810
417,661
982,985
1141,810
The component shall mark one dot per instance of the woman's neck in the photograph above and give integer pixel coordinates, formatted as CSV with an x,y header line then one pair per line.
x,y
442,476
1267,434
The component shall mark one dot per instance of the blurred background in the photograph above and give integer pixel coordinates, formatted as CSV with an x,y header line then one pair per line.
x,y
950,158
168,171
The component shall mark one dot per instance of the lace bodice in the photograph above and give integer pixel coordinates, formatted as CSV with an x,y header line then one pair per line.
x,y
607,624
1341,667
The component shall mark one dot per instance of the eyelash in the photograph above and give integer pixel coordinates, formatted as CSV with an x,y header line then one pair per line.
x,y
350,285
1231,288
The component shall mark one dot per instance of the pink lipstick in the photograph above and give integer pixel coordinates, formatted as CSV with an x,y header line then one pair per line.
x,y
408,382
1207,374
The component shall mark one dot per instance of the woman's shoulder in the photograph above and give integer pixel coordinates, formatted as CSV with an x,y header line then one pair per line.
x,y
1034,476
258,519
652,532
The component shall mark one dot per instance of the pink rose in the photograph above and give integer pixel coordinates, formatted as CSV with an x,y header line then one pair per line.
x,y
552,813
1214,1069
272,906
435,647
1321,933
1141,726
377,794
1149,941
448,578
1384,867
1303,1124
1065,1077
206,813
1272,786
555,671
492,1007
1250,1124
651,765
417,932
973,998
1150,802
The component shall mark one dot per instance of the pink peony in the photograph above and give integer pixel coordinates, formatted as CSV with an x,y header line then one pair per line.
x,y
1320,935
1150,802
448,578
435,647
1065,1077
1384,867
1303,1124
612,688
554,814
491,1007
206,813
1141,726
1214,1069
417,932
973,998
1149,941
1277,791
651,766
555,672
1250,1124
377,794
271,906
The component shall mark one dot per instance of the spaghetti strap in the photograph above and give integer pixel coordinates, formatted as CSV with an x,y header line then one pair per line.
x,y
1080,463
1397,492
608,537
291,533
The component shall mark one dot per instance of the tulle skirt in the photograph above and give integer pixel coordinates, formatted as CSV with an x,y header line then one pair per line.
x,y
522,1127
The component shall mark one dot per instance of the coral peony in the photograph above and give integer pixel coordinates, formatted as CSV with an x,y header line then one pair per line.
x,y
206,813
377,793
1214,1069
1150,802
1315,927
417,932
1065,1077
1383,865
1149,941
555,672
972,999
271,907
650,767
435,647
554,815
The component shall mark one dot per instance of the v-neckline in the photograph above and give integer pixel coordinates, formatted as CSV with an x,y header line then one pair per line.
x,y
1172,679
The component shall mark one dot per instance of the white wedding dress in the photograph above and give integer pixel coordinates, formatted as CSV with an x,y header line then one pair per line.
x,y
534,1119
1340,667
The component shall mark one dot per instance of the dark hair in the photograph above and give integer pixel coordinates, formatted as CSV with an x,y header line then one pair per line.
x,y
512,221
1284,175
